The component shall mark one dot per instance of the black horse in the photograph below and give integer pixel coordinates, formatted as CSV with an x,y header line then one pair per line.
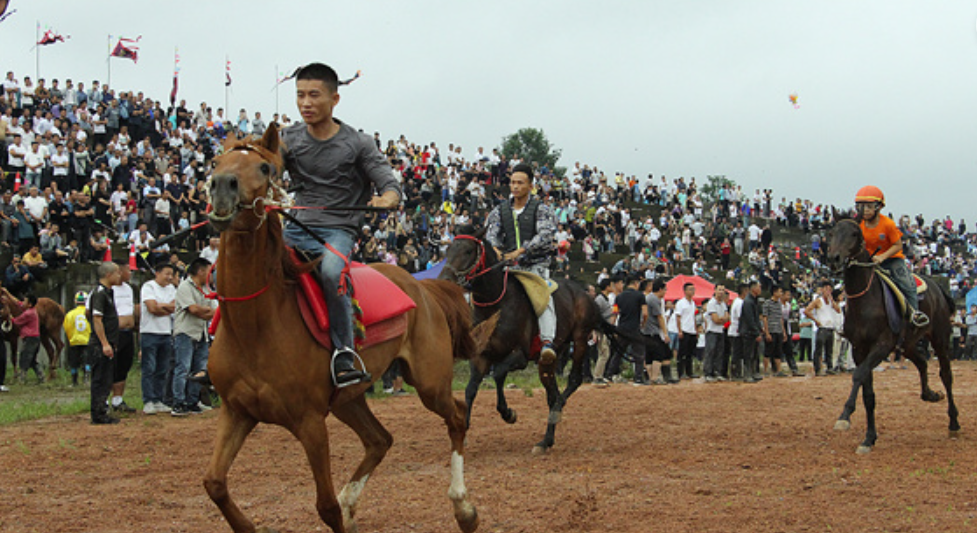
x,y
872,339
473,264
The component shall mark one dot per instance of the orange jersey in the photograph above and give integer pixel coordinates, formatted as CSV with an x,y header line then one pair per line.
x,y
882,237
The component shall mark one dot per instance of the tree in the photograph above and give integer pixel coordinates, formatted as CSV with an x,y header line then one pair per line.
x,y
710,191
532,146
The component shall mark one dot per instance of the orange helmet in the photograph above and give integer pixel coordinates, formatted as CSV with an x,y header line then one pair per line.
x,y
870,193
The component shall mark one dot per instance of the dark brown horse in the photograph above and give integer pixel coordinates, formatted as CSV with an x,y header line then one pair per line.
x,y
268,368
872,339
50,317
471,263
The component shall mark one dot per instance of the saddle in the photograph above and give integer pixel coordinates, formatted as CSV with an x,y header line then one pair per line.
x,y
380,307
896,308
538,289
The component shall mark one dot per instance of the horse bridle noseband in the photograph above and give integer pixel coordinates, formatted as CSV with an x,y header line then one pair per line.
x,y
852,262
260,205
479,269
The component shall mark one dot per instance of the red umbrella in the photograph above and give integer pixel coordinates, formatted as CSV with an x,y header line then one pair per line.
x,y
703,289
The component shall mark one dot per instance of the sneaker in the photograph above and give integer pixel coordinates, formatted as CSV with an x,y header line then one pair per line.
x,y
617,378
639,383
123,408
780,374
797,374
162,407
710,379
203,407
193,409
389,390
179,410
831,371
105,420
399,392
721,378
3,388
601,382
149,408
658,381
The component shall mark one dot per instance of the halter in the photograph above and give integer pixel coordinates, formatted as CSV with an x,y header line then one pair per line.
x,y
852,262
479,269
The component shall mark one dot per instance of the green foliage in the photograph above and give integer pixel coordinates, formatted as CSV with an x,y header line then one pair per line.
x,y
710,191
532,146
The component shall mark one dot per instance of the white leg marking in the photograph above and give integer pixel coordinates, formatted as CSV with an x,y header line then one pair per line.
x,y
457,491
349,496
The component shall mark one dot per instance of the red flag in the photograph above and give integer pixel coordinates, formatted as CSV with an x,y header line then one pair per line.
x,y
50,38
127,52
176,78
227,71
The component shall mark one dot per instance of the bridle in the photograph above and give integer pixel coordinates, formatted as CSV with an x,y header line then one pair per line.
x,y
479,269
275,197
852,262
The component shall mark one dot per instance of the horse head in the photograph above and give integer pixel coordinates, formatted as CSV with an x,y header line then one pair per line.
x,y
245,179
845,242
467,254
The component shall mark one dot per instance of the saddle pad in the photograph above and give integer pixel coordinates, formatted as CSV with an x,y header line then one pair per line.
x,y
920,284
538,289
376,332
378,297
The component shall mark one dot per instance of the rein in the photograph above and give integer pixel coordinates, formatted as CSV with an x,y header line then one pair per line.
x,y
479,269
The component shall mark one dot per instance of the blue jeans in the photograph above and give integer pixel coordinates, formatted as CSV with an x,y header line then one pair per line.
x,y
330,270
191,357
156,350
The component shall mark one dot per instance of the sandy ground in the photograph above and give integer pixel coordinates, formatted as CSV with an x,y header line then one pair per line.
x,y
693,457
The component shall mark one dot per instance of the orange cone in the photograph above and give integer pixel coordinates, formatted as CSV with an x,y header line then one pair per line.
x,y
17,182
132,257
108,251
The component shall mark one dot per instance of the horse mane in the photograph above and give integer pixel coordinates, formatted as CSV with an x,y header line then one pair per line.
x,y
450,297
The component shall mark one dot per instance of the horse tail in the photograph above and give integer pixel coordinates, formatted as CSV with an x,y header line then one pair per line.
x,y
619,342
451,299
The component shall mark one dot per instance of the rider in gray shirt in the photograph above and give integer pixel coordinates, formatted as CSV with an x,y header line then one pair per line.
x,y
333,166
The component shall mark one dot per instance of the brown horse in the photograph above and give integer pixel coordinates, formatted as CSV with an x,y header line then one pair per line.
x,y
268,368
50,317
871,337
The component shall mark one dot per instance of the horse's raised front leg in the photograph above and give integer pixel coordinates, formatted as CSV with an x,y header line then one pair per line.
x,y
312,433
547,375
376,442
232,429
863,369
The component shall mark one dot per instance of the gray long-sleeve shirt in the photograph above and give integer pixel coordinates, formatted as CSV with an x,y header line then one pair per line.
x,y
340,171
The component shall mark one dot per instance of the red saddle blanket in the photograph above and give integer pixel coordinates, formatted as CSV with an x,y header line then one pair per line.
x,y
383,303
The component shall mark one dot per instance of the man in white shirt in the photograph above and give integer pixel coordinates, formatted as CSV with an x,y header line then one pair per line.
x,y
125,351
735,311
825,312
34,161
36,206
717,314
211,252
156,331
687,333
60,161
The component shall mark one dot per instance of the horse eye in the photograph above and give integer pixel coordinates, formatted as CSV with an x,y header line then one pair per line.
x,y
265,168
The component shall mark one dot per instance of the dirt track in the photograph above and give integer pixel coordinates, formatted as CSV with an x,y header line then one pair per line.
x,y
686,458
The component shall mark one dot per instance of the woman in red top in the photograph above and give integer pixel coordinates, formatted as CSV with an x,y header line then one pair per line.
x,y
884,241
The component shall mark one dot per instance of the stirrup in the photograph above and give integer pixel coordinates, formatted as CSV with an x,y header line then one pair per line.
x,y
352,376
919,319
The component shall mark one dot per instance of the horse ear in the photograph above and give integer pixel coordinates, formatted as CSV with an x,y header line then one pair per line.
x,y
480,234
271,139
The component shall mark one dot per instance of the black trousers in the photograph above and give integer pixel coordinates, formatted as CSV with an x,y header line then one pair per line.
x,y
124,356
686,349
824,346
103,371
28,357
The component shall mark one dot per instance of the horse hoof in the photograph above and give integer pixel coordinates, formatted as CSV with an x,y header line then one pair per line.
x,y
539,450
954,433
863,449
351,526
264,529
842,425
513,417
469,522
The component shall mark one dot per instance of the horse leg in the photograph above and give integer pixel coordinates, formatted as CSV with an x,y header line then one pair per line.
x,y
311,432
475,378
579,358
436,396
500,373
942,349
52,354
376,441
547,376
232,429
858,377
926,393
868,398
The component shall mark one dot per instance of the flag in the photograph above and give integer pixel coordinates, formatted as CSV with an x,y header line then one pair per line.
x,y
50,37
176,76
227,71
351,80
130,51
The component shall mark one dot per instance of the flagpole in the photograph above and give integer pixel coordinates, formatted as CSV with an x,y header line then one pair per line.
x,y
37,53
227,87
108,60
277,83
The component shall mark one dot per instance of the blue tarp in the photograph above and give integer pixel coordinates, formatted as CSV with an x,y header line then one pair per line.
x,y
431,273
971,298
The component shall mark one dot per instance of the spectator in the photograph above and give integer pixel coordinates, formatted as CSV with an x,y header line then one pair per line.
x,y
28,329
18,278
158,297
78,331
717,314
190,341
105,324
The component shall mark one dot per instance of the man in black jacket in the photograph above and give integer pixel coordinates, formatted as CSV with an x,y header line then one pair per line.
x,y
750,333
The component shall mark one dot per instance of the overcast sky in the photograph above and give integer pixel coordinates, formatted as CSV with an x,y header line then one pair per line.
x,y
887,90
